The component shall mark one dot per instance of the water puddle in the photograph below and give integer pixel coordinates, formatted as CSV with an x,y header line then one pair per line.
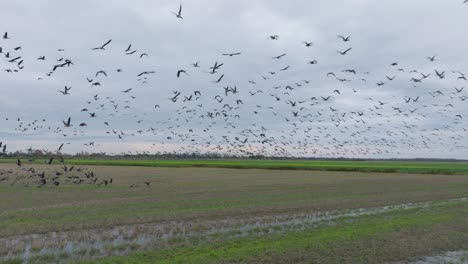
x,y
453,257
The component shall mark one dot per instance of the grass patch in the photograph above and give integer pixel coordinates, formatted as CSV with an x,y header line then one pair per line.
x,y
395,236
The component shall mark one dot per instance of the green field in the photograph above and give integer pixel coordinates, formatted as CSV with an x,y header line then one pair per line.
x,y
359,166
222,215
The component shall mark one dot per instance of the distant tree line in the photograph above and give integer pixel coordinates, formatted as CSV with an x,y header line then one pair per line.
x,y
32,154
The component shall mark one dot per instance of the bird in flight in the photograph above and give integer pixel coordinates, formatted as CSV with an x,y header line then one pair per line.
x,y
345,39
128,48
216,67
67,123
232,54
101,72
181,71
280,56
145,72
65,92
220,78
103,46
128,90
274,37
344,52
441,75
179,14
131,52
431,59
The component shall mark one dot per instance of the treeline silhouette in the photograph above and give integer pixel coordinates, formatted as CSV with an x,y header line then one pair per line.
x,y
33,154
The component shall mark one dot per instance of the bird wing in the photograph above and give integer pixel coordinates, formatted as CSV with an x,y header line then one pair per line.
x,y
107,43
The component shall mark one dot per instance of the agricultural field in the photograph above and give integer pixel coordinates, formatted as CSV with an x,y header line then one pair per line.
x,y
454,167
157,214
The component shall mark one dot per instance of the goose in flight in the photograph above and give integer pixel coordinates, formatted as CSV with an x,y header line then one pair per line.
x,y
274,37
431,59
220,78
345,39
232,54
344,52
103,46
459,90
216,67
179,14
180,72
441,75
128,48
128,90
145,73
280,56
65,92
101,72
67,123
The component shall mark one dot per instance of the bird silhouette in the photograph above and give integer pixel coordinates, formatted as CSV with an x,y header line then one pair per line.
x,y
103,45
179,13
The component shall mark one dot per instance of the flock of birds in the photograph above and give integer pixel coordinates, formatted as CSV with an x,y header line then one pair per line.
x,y
228,119
52,175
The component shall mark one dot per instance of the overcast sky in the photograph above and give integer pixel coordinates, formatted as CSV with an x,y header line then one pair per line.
x,y
382,33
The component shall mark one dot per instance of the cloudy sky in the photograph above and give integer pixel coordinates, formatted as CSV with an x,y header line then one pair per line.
x,y
382,33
